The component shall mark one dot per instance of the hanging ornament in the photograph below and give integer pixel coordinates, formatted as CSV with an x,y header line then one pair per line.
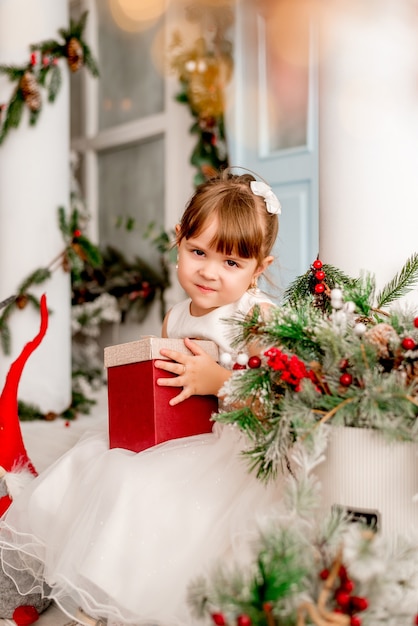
x,y
75,54
30,91
254,362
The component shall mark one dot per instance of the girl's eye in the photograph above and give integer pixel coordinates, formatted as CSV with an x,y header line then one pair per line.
x,y
232,263
198,252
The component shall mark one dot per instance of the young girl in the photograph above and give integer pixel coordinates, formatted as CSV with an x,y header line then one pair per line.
x,y
122,534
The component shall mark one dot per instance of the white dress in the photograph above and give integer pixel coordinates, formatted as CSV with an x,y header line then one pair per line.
x,y
122,534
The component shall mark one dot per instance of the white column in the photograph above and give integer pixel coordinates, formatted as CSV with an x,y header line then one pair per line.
x,y
34,182
368,136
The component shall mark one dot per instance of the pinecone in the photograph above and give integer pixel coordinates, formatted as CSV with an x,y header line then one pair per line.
x,y
75,55
383,336
411,372
30,91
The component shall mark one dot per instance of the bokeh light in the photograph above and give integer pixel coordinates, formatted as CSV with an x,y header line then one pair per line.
x,y
136,15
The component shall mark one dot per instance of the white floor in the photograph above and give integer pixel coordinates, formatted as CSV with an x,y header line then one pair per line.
x,y
47,441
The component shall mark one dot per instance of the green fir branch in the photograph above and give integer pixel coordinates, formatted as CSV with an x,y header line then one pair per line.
x,y
37,277
55,82
12,72
89,60
401,283
14,114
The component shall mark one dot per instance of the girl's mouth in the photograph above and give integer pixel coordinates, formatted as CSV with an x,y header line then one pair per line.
x,y
204,289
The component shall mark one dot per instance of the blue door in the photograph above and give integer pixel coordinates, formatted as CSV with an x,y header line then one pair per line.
x,y
273,127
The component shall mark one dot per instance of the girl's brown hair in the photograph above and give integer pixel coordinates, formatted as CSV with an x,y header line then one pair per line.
x,y
245,227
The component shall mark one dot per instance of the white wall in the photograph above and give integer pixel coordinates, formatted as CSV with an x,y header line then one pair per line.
x,y
369,136
34,182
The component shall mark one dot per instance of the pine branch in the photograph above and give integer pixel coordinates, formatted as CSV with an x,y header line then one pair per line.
x,y
400,284
14,73
89,61
37,277
13,115
55,83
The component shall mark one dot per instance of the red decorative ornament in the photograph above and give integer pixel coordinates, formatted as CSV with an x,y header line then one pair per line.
x,y
244,620
77,233
346,379
254,362
416,322
323,574
268,607
416,619
355,620
344,363
218,619
25,615
408,343
320,275
319,288
33,58
317,264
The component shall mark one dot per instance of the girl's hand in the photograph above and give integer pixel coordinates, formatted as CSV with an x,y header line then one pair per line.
x,y
198,374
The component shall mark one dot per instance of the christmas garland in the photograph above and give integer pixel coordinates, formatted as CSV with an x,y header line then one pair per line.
x,y
334,355
43,72
204,70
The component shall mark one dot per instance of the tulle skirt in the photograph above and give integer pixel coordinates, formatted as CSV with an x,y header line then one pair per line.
x,y
122,535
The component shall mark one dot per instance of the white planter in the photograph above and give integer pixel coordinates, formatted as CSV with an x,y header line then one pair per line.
x,y
365,473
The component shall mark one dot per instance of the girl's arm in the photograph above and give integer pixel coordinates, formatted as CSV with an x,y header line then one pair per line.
x,y
197,374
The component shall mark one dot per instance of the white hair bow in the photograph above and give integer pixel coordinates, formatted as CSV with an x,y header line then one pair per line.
x,y
272,202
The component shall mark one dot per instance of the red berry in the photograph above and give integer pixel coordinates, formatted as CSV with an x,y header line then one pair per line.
x,y
319,275
254,362
323,574
344,363
348,585
416,322
342,573
77,233
342,598
317,264
346,379
408,343
355,620
25,615
359,603
33,58
243,620
218,619
319,288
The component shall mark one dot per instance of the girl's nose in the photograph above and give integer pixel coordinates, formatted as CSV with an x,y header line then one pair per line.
x,y
208,271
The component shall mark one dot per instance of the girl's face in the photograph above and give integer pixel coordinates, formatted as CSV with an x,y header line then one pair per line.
x,y
210,278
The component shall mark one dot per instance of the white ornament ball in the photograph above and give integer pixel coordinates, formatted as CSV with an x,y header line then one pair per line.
x,y
350,307
336,293
242,358
336,303
225,359
360,329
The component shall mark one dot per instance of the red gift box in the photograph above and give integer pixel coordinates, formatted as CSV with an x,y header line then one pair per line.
x,y
140,415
